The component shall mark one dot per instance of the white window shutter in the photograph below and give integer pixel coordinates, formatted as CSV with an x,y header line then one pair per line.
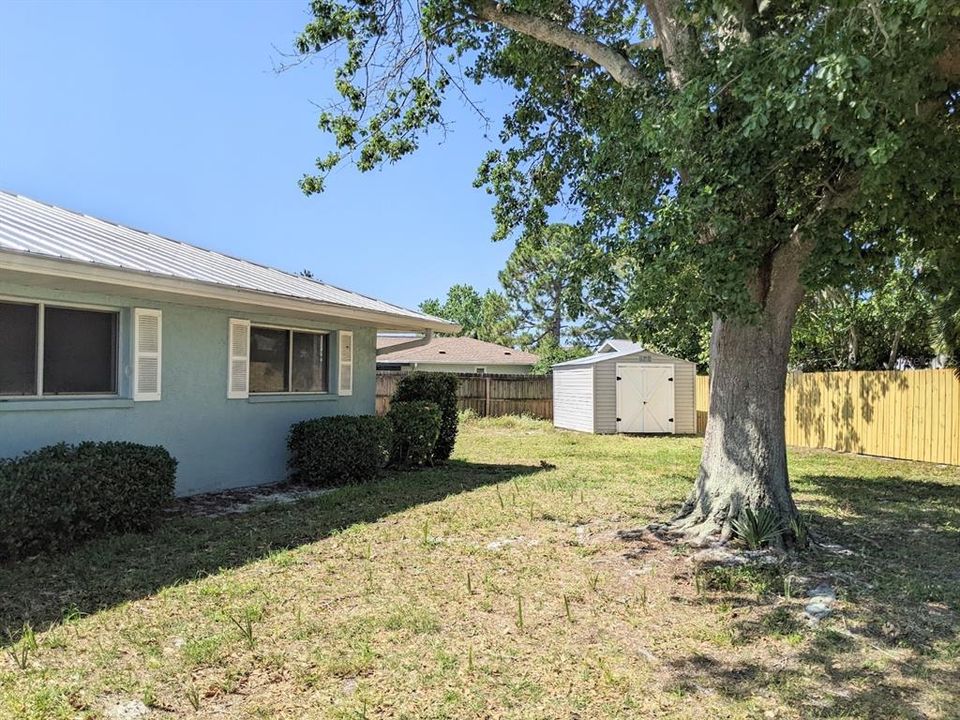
x,y
147,347
238,370
345,345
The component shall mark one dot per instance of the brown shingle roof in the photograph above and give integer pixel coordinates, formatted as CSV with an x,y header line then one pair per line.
x,y
452,350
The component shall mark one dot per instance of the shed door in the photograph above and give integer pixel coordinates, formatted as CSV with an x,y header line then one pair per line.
x,y
645,398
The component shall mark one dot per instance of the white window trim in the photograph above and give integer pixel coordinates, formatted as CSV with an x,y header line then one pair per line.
x,y
285,393
41,306
137,354
341,362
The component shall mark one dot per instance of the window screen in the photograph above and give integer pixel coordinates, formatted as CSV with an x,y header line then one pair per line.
x,y
18,349
269,360
79,351
309,362
288,361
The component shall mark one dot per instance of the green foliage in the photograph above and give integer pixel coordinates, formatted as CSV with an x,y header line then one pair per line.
x,y
338,450
943,281
55,497
484,317
545,279
758,527
438,388
688,165
549,354
879,321
416,430
800,531
22,646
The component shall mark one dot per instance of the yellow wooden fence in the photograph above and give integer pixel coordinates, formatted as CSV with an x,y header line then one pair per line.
x,y
913,414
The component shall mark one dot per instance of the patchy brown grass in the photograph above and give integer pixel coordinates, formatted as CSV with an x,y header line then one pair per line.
x,y
500,586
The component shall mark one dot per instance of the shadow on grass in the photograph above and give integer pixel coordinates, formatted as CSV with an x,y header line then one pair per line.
x,y
893,646
905,533
109,571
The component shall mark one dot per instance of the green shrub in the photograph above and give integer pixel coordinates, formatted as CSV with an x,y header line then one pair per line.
x,y
416,427
758,528
339,450
439,388
54,497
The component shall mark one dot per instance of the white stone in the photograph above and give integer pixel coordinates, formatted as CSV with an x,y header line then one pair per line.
x,y
126,710
822,599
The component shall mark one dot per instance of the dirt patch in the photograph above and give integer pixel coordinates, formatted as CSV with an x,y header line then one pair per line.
x,y
241,500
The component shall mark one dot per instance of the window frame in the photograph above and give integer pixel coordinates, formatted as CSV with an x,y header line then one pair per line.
x,y
289,329
41,306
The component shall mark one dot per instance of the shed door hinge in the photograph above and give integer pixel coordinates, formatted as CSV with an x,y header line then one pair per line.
x,y
671,420
619,420
618,377
670,379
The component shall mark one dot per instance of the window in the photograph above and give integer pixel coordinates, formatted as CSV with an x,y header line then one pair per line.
x,y
75,353
309,362
79,351
288,361
18,349
481,371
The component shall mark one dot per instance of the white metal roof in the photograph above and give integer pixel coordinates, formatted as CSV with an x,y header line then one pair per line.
x,y
34,228
627,349
614,345
601,357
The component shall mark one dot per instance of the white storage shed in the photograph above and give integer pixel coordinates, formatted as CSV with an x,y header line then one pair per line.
x,y
624,388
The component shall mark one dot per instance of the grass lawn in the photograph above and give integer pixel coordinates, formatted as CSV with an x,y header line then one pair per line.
x,y
498,587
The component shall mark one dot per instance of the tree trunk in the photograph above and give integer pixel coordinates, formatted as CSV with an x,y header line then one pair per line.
x,y
744,461
894,349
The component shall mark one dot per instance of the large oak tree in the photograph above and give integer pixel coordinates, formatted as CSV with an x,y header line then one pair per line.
x,y
748,150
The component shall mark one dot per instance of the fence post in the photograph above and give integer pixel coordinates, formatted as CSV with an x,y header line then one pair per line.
x,y
486,397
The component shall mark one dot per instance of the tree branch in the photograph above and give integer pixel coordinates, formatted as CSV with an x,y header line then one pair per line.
x,y
672,35
553,33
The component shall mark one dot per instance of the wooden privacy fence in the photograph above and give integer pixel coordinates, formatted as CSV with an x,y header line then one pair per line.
x,y
911,414
487,395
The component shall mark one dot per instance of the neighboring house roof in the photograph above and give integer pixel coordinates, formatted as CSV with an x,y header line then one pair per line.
x,y
453,350
38,231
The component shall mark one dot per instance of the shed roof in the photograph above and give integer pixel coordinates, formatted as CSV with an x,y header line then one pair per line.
x,y
452,350
614,345
628,349
601,357
32,228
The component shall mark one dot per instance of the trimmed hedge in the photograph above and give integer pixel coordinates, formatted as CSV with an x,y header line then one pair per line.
x,y
416,427
439,388
339,450
54,497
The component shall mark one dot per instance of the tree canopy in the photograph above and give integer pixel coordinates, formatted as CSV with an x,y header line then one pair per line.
x,y
547,280
485,317
846,112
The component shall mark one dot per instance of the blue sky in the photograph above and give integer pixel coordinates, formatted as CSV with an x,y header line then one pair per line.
x,y
167,116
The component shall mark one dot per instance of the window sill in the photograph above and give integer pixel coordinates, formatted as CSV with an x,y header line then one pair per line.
x,y
65,404
291,397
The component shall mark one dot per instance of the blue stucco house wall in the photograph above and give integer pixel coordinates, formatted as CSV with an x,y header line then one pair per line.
x,y
220,441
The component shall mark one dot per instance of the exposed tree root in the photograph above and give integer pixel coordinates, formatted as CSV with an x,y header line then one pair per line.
x,y
700,526
697,529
